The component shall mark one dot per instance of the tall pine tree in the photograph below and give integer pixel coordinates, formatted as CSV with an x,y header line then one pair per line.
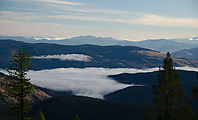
x,y
20,88
170,101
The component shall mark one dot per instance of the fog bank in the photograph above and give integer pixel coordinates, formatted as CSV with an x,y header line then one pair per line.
x,y
70,57
92,82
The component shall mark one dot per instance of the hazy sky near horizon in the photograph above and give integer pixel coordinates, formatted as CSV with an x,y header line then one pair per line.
x,y
121,19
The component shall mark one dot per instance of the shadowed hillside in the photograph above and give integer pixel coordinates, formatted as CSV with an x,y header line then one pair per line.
x,y
66,107
102,56
144,94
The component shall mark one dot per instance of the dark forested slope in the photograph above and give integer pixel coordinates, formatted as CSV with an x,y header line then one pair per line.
x,y
102,56
66,107
144,94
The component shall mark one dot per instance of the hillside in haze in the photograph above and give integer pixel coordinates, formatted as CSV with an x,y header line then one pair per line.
x,y
46,56
187,53
162,45
191,40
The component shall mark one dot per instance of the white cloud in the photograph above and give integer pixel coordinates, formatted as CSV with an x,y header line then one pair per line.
x,y
10,15
187,68
14,27
55,38
193,38
151,20
61,2
123,17
92,82
156,20
52,1
70,57
128,17
83,18
94,10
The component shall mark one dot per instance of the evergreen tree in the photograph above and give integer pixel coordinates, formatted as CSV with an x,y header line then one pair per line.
x,y
77,117
40,116
170,101
20,88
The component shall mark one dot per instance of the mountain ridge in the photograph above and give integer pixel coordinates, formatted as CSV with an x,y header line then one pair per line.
x,y
103,56
162,45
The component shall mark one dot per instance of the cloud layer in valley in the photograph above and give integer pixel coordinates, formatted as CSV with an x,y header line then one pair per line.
x,y
92,82
70,57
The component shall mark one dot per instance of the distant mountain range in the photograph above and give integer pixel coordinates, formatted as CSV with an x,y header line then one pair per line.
x,y
162,45
191,40
47,56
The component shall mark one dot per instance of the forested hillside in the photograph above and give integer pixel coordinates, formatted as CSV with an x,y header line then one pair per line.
x,y
101,56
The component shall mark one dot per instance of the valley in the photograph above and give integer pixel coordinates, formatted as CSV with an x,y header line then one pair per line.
x,y
98,60
112,79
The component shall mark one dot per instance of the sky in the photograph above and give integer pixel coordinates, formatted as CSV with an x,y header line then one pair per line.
x,y
120,19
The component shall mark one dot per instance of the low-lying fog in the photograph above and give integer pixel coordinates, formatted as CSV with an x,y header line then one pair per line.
x,y
92,82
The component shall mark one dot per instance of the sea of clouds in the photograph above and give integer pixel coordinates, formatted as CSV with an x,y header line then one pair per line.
x,y
70,57
92,82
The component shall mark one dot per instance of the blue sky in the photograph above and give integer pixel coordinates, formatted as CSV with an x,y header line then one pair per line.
x,y
121,19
